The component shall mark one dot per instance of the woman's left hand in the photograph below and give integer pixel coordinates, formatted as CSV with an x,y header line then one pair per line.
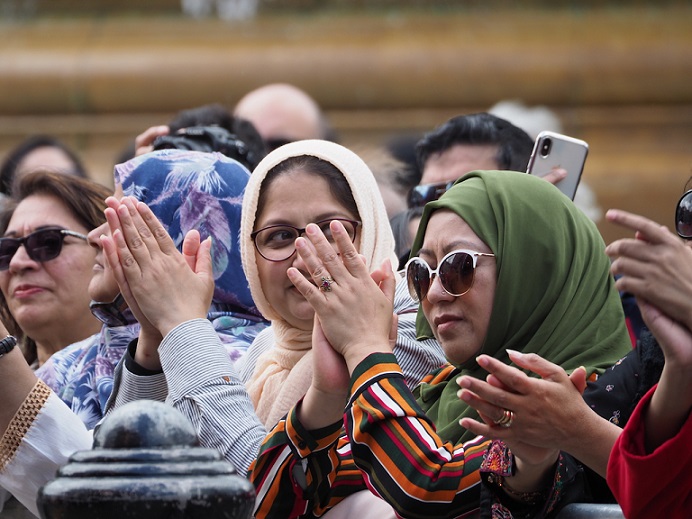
x,y
354,310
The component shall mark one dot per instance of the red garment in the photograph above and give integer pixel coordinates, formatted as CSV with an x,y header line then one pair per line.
x,y
652,485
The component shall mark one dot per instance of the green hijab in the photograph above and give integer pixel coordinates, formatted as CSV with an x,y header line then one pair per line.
x,y
555,295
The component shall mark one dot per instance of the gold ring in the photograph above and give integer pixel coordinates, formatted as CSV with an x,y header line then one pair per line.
x,y
505,420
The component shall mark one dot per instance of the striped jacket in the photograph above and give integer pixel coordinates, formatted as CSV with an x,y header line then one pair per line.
x,y
386,444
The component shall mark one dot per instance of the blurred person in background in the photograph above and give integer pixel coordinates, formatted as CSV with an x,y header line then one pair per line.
x,y
38,151
46,263
465,143
205,128
284,113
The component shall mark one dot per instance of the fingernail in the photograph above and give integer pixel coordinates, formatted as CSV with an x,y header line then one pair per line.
x,y
514,354
482,361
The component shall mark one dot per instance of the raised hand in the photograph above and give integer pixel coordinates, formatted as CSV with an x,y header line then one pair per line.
x,y
145,140
153,274
548,412
655,265
354,310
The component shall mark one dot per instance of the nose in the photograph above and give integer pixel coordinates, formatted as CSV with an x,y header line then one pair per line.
x,y
21,261
93,238
436,293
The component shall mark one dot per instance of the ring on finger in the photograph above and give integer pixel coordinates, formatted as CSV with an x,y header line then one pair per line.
x,y
326,284
506,419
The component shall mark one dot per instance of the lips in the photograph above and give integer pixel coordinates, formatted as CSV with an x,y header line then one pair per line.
x,y
23,291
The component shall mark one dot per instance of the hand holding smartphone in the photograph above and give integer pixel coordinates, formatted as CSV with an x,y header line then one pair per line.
x,y
554,150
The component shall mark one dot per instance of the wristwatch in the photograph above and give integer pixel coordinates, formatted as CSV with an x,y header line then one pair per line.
x,y
7,345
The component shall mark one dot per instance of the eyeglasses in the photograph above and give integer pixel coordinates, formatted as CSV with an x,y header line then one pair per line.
x,y
683,216
278,242
41,245
421,195
456,272
111,314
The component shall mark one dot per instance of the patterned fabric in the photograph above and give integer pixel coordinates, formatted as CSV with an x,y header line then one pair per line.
x,y
387,435
185,190
554,296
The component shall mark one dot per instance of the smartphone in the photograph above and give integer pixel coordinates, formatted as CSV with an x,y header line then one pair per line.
x,y
554,150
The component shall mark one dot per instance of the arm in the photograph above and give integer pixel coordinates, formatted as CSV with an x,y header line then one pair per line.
x,y
37,441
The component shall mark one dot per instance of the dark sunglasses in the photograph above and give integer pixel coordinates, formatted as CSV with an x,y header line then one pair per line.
x,y
278,242
41,245
456,272
421,195
111,314
683,216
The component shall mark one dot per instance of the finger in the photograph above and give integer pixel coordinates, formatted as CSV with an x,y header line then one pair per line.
x,y
347,250
110,252
509,377
191,245
204,264
313,262
480,402
634,249
135,232
542,367
483,429
578,378
309,291
327,256
648,229
164,241
144,140
555,175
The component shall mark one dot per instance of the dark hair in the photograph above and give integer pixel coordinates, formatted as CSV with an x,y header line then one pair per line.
x,y
85,199
338,185
8,170
514,144
216,115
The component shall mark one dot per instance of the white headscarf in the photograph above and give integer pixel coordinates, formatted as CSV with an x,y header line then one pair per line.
x,y
283,374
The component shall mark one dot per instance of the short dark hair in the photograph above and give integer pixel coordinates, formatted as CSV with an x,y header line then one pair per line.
x,y
8,170
85,199
215,114
514,144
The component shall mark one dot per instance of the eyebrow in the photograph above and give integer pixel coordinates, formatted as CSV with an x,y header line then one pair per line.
x,y
13,234
319,218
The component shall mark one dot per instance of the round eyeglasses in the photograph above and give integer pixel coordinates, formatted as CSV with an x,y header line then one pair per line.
x,y
278,242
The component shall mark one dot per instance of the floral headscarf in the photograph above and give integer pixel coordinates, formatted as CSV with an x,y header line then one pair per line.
x,y
185,190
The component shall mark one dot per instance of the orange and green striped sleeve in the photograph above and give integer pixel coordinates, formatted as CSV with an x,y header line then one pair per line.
x,y
396,447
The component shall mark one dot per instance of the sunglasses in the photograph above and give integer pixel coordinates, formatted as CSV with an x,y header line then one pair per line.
x,y
683,216
111,314
278,242
456,272
421,195
41,245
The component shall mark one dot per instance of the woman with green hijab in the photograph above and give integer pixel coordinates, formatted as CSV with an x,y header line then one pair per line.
x,y
502,261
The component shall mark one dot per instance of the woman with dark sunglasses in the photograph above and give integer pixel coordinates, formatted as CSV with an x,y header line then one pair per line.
x,y
46,263
189,192
504,262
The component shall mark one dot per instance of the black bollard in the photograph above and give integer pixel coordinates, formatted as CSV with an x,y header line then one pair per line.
x,y
146,463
